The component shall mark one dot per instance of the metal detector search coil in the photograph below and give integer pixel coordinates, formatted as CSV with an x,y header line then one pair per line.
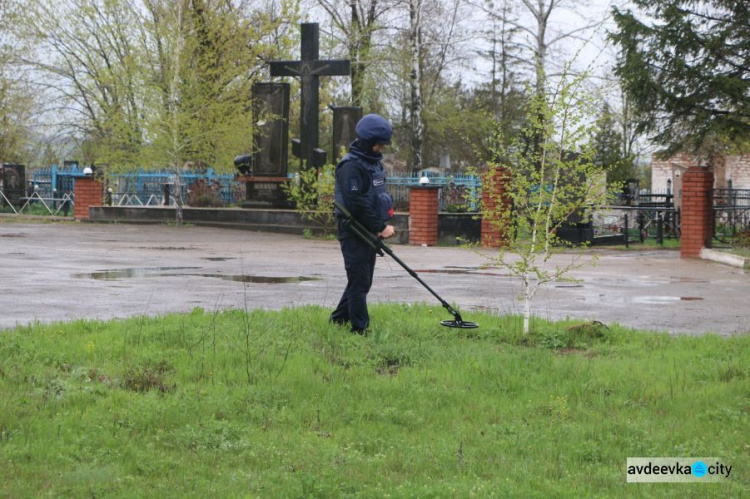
x,y
380,247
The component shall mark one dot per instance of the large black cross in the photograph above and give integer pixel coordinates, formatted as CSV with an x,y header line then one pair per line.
x,y
309,69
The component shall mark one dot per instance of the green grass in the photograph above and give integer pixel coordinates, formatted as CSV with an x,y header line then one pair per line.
x,y
649,243
38,209
743,252
282,404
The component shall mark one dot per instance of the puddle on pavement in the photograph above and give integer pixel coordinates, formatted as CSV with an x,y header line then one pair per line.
x,y
219,258
642,300
443,271
111,275
262,279
12,235
151,272
687,280
164,248
657,300
459,270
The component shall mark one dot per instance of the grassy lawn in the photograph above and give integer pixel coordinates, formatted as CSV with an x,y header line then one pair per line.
x,y
282,404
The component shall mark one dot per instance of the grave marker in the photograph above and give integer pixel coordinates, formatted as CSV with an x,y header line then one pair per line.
x,y
309,69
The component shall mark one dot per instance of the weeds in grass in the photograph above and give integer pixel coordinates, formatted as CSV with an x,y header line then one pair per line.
x,y
146,378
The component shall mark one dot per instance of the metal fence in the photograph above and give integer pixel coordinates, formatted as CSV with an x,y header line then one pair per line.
x,y
458,193
731,213
139,188
636,223
157,187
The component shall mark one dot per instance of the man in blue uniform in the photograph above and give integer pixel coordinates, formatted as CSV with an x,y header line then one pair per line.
x,y
360,187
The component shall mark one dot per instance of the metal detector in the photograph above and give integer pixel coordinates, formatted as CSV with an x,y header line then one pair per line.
x,y
380,247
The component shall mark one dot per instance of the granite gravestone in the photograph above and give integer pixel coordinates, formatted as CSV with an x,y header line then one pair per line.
x,y
344,121
267,172
271,111
14,181
309,69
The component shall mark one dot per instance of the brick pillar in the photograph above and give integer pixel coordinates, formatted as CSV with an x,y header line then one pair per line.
x,y
697,211
495,231
423,215
88,193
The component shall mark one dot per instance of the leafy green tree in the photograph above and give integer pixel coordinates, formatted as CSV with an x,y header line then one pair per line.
x,y
312,193
205,56
16,107
153,83
685,65
548,186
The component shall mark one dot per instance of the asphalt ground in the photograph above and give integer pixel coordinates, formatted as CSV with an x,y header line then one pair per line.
x,y
65,271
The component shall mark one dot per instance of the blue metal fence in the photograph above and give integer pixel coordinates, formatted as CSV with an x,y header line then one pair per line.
x,y
139,187
149,187
458,193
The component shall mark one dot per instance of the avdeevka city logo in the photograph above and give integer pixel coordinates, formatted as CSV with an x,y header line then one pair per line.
x,y
699,469
676,469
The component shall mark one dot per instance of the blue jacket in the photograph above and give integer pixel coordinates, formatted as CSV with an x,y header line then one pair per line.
x,y
360,186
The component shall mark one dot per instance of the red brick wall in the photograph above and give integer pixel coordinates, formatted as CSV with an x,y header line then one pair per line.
x,y
88,193
495,233
697,209
423,215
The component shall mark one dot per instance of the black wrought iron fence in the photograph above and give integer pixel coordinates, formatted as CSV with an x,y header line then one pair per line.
x,y
731,214
626,224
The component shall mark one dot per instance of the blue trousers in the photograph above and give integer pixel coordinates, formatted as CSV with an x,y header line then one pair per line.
x,y
359,261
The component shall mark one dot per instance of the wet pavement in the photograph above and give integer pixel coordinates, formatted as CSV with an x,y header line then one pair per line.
x,y
61,272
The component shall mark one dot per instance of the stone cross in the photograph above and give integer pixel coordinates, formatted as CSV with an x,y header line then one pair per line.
x,y
309,68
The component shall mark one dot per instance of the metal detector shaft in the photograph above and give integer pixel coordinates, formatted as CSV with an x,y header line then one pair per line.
x,y
378,245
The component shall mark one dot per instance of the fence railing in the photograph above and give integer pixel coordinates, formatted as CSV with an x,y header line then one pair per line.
x,y
157,188
731,213
140,188
638,223
458,193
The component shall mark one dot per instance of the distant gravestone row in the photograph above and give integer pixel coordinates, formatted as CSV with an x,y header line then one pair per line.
x,y
265,171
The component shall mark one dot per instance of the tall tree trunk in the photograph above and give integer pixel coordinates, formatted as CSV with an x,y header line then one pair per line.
x,y
415,47
174,111
360,44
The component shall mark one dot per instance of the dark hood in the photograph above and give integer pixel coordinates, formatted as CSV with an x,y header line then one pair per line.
x,y
363,149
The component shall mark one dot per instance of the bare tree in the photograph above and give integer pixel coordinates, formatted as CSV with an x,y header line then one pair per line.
x,y
545,26
358,22
84,52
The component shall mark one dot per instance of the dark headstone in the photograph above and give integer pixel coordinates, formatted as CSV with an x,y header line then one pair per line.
x,y
266,192
308,69
14,181
318,157
271,109
344,121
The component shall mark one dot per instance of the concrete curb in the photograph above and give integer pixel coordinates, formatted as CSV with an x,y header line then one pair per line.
x,y
725,258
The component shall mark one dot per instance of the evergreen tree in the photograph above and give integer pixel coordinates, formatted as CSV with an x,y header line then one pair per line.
x,y
687,70
608,151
